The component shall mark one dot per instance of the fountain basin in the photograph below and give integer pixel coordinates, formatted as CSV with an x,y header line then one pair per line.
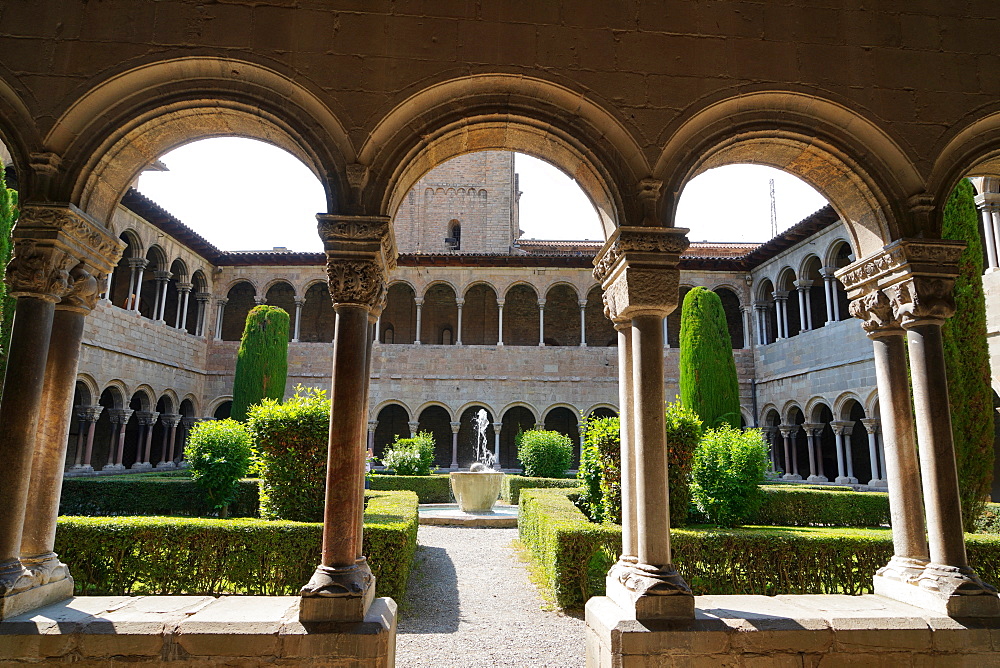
x,y
448,514
475,492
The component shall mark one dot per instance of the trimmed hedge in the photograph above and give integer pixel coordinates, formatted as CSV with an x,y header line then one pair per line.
x,y
795,506
989,521
428,488
149,495
169,555
510,490
574,554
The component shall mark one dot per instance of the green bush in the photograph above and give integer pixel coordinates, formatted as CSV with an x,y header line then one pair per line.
x,y
574,554
428,488
545,454
262,360
124,556
8,216
684,431
218,455
709,384
411,456
988,520
149,495
728,468
290,454
791,505
513,485
600,470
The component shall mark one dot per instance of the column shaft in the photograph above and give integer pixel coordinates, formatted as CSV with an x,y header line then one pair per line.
x,y
541,323
583,324
420,304
298,320
628,463
458,336
500,324
90,443
839,435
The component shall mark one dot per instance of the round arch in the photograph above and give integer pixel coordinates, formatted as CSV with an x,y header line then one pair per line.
x,y
91,386
428,404
844,403
515,404
217,403
601,407
786,411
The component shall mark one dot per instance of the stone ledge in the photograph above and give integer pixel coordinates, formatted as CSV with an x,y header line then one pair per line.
x,y
792,630
195,631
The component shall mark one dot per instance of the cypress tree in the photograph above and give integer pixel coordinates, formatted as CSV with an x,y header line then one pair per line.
x,y
709,385
262,361
8,216
967,358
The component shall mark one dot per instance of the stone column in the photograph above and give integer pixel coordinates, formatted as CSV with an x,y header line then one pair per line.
x,y
781,304
221,301
420,304
840,429
372,426
184,292
805,308
499,322
260,300
759,323
989,237
830,292
147,420
187,424
541,322
119,418
909,283
637,269
813,431
582,303
170,422
162,281
60,255
88,416
497,426
360,252
299,301
203,299
769,438
666,332
747,327
871,424
455,426
138,266
458,337
791,457
413,425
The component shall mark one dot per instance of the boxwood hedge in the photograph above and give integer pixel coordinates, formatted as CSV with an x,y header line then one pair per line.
x,y
428,488
797,506
154,494
573,554
510,490
173,555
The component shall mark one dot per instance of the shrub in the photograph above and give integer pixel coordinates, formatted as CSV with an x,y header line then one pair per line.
x,y
967,358
218,454
728,468
545,454
791,505
290,454
600,469
124,556
989,520
8,216
139,494
411,456
428,488
262,360
684,431
513,485
708,381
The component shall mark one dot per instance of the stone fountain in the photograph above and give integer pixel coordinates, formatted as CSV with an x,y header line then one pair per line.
x,y
477,489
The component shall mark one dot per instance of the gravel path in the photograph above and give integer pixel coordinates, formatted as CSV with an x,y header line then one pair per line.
x,y
470,604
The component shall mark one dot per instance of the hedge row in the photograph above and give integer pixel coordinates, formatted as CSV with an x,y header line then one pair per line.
x,y
796,506
149,495
170,555
510,490
574,554
428,488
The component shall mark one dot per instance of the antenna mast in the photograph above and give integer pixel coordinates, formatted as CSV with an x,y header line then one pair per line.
x,y
774,213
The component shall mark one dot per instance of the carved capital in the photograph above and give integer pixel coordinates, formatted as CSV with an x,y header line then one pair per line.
x,y
872,425
843,427
813,428
89,413
876,314
360,253
170,419
147,418
922,300
39,271
120,415
359,282
659,246
788,430
638,271
900,259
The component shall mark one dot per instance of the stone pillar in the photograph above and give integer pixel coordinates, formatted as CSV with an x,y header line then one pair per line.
x,y
455,426
871,424
372,426
841,429
260,300
413,425
299,301
137,266
791,457
119,418
88,416
830,292
760,323
360,252
147,420
666,332
499,322
221,301
541,322
203,299
909,284
160,306
170,422
769,438
989,236
813,431
184,292
458,337
60,255
637,269
187,424
781,304
582,303
805,310
747,327
420,304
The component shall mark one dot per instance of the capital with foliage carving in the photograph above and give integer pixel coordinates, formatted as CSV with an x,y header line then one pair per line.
x,y
360,253
875,312
637,269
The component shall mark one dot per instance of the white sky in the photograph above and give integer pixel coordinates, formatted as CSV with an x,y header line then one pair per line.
x,y
243,194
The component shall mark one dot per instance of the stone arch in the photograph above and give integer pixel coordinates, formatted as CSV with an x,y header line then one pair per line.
x,y
317,320
601,410
439,316
565,419
600,329
87,389
436,418
562,315
843,404
480,314
770,415
219,402
468,433
398,323
520,315
734,315
427,404
674,319
169,399
813,408
188,407
18,132
787,410
131,118
846,157
514,418
241,296
392,421
505,112
871,404
811,278
281,294
476,404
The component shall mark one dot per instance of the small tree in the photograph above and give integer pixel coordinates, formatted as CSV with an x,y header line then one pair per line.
x,y
708,381
684,431
262,360
411,456
728,469
218,453
967,359
600,469
8,216
545,454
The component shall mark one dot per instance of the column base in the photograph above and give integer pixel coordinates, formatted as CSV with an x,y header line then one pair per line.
x,y
33,583
943,589
877,482
817,478
82,469
166,466
791,476
647,592
118,468
338,594
141,466
846,480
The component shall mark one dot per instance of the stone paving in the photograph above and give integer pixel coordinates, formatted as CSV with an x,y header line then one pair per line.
x,y
470,604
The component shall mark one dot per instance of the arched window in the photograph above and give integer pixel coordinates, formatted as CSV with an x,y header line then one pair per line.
x,y
454,239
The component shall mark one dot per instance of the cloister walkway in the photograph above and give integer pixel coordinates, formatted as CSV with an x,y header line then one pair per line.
x,y
470,604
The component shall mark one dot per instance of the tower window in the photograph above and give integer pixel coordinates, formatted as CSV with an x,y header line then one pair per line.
x,y
454,239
